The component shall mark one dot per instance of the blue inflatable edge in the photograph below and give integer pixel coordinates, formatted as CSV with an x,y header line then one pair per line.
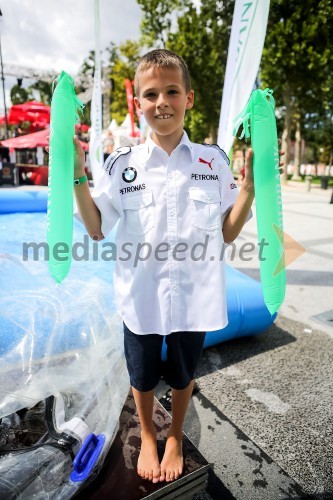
x,y
19,200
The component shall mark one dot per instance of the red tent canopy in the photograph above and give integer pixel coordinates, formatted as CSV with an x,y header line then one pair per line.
x,y
32,111
37,113
33,141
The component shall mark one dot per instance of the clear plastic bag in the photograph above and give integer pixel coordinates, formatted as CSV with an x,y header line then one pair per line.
x,y
61,341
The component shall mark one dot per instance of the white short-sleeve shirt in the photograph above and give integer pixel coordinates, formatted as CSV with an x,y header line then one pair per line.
x,y
169,272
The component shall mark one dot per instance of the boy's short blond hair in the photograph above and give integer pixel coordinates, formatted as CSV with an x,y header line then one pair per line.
x,y
162,58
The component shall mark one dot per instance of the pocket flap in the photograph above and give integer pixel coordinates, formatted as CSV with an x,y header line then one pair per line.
x,y
205,196
137,200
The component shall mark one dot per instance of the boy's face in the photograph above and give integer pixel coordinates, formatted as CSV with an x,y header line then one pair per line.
x,y
164,100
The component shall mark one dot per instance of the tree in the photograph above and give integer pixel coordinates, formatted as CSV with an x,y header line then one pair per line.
x,y
296,60
122,62
20,95
157,20
44,89
318,132
85,77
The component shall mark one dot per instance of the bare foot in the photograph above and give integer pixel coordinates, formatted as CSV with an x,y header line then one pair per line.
x,y
148,463
172,462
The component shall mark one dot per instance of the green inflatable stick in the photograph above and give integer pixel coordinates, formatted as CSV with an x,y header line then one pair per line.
x,y
259,121
61,176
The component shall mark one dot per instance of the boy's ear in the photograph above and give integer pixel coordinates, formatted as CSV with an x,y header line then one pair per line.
x,y
137,102
190,99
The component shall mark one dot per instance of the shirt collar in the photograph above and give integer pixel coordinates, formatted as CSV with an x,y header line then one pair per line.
x,y
184,142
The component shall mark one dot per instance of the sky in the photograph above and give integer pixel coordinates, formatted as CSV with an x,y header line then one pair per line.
x,y
58,34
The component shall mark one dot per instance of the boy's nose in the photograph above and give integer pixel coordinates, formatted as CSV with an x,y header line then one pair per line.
x,y
162,101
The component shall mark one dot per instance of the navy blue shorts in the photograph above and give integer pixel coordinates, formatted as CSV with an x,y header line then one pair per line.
x,y
145,365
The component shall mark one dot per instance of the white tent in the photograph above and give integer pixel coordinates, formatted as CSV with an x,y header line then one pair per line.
x,y
113,125
122,134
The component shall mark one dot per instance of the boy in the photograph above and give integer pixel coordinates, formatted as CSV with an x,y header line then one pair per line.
x,y
172,198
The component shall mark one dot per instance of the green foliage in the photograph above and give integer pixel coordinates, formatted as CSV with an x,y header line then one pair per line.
x,y
297,51
19,95
87,68
297,56
157,21
122,62
45,91
85,77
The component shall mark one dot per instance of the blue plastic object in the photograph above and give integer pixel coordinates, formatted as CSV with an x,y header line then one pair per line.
x,y
87,457
17,200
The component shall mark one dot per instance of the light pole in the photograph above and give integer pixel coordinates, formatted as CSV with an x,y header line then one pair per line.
x,y
3,84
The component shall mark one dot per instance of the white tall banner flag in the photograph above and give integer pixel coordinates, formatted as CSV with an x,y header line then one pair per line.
x,y
245,49
95,146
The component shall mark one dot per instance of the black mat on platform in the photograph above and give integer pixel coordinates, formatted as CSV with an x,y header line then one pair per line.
x,y
119,479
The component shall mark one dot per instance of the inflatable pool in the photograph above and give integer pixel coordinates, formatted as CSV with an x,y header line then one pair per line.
x,y
17,200
61,350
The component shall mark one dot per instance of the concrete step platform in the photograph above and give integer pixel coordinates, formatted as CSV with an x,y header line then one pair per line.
x,y
119,479
239,470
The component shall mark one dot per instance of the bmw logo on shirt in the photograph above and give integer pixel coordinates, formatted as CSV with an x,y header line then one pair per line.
x,y
129,174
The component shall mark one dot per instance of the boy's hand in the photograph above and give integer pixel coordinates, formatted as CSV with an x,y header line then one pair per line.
x,y
248,182
79,157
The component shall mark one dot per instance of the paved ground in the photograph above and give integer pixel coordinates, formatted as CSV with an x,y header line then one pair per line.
x,y
275,390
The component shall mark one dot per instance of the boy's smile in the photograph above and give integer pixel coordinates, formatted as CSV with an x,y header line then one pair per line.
x,y
163,100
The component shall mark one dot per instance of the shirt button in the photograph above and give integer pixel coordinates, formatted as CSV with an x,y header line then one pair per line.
x,y
174,287
172,214
208,198
170,176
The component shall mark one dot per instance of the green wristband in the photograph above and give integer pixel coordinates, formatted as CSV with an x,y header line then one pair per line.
x,y
80,180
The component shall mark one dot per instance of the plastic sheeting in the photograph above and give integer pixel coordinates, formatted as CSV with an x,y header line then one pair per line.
x,y
55,340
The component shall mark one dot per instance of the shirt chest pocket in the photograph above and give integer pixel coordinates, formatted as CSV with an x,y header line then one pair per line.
x,y
139,213
205,208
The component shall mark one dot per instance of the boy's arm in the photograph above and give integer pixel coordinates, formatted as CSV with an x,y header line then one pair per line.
x,y
89,212
236,218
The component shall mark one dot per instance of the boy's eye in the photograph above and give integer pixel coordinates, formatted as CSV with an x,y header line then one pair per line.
x,y
150,94
173,92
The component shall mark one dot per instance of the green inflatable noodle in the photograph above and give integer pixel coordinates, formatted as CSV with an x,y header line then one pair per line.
x,y
259,122
61,176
